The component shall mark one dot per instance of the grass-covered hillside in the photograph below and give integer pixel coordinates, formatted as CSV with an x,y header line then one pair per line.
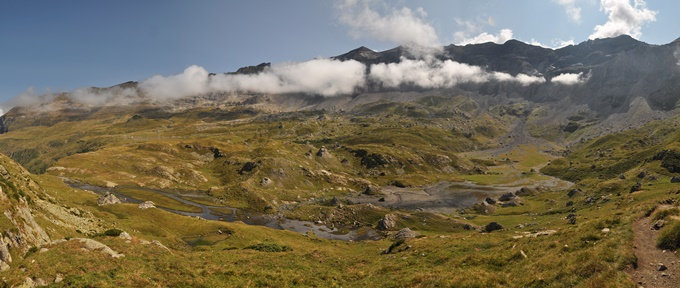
x,y
541,215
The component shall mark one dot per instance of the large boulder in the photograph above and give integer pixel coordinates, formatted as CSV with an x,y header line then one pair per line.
x,y
388,222
405,233
108,199
675,179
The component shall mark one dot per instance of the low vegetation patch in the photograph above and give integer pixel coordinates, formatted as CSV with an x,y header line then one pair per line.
x,y
269,247
669,238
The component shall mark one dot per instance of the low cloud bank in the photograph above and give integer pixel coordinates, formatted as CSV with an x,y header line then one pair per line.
x,y
325,77
570,78
439,74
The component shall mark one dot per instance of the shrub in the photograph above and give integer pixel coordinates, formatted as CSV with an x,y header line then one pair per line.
x,y
394,245
269,247
30,251
669,238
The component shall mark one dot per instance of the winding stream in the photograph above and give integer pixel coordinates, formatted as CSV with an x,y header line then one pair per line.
x,y
209,212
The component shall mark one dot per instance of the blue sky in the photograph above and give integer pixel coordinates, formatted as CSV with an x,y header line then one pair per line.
x,y
63,45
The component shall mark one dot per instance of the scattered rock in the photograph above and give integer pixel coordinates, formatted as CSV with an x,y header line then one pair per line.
x,y
675,179
335,201
506,197
405,233
108,199
513,203
248,167
525,191
605,230
146,205
372,190
125,235
589,200
658,224
636,187
661,267
399,184
388,222
573,192
265,181
571,218
323,152
493,226
622,177
642,174
58,278
569,203
490,200
28,283
467,226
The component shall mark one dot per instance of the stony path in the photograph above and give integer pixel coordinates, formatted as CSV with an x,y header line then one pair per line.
x,y
649,258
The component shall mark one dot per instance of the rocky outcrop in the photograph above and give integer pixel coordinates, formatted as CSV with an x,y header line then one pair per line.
x,y
108,199
387,222
93,245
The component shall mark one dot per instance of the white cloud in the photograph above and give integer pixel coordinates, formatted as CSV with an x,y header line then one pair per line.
x,y
439,74
569,79
400,26
503,35
573,11
623,18
319,76
192,81
555,43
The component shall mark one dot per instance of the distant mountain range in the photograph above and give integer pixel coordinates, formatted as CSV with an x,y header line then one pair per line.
x,y
603,77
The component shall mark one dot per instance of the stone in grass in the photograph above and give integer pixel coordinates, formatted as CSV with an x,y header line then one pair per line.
x,y
675,179
658,224
636,187
493,226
